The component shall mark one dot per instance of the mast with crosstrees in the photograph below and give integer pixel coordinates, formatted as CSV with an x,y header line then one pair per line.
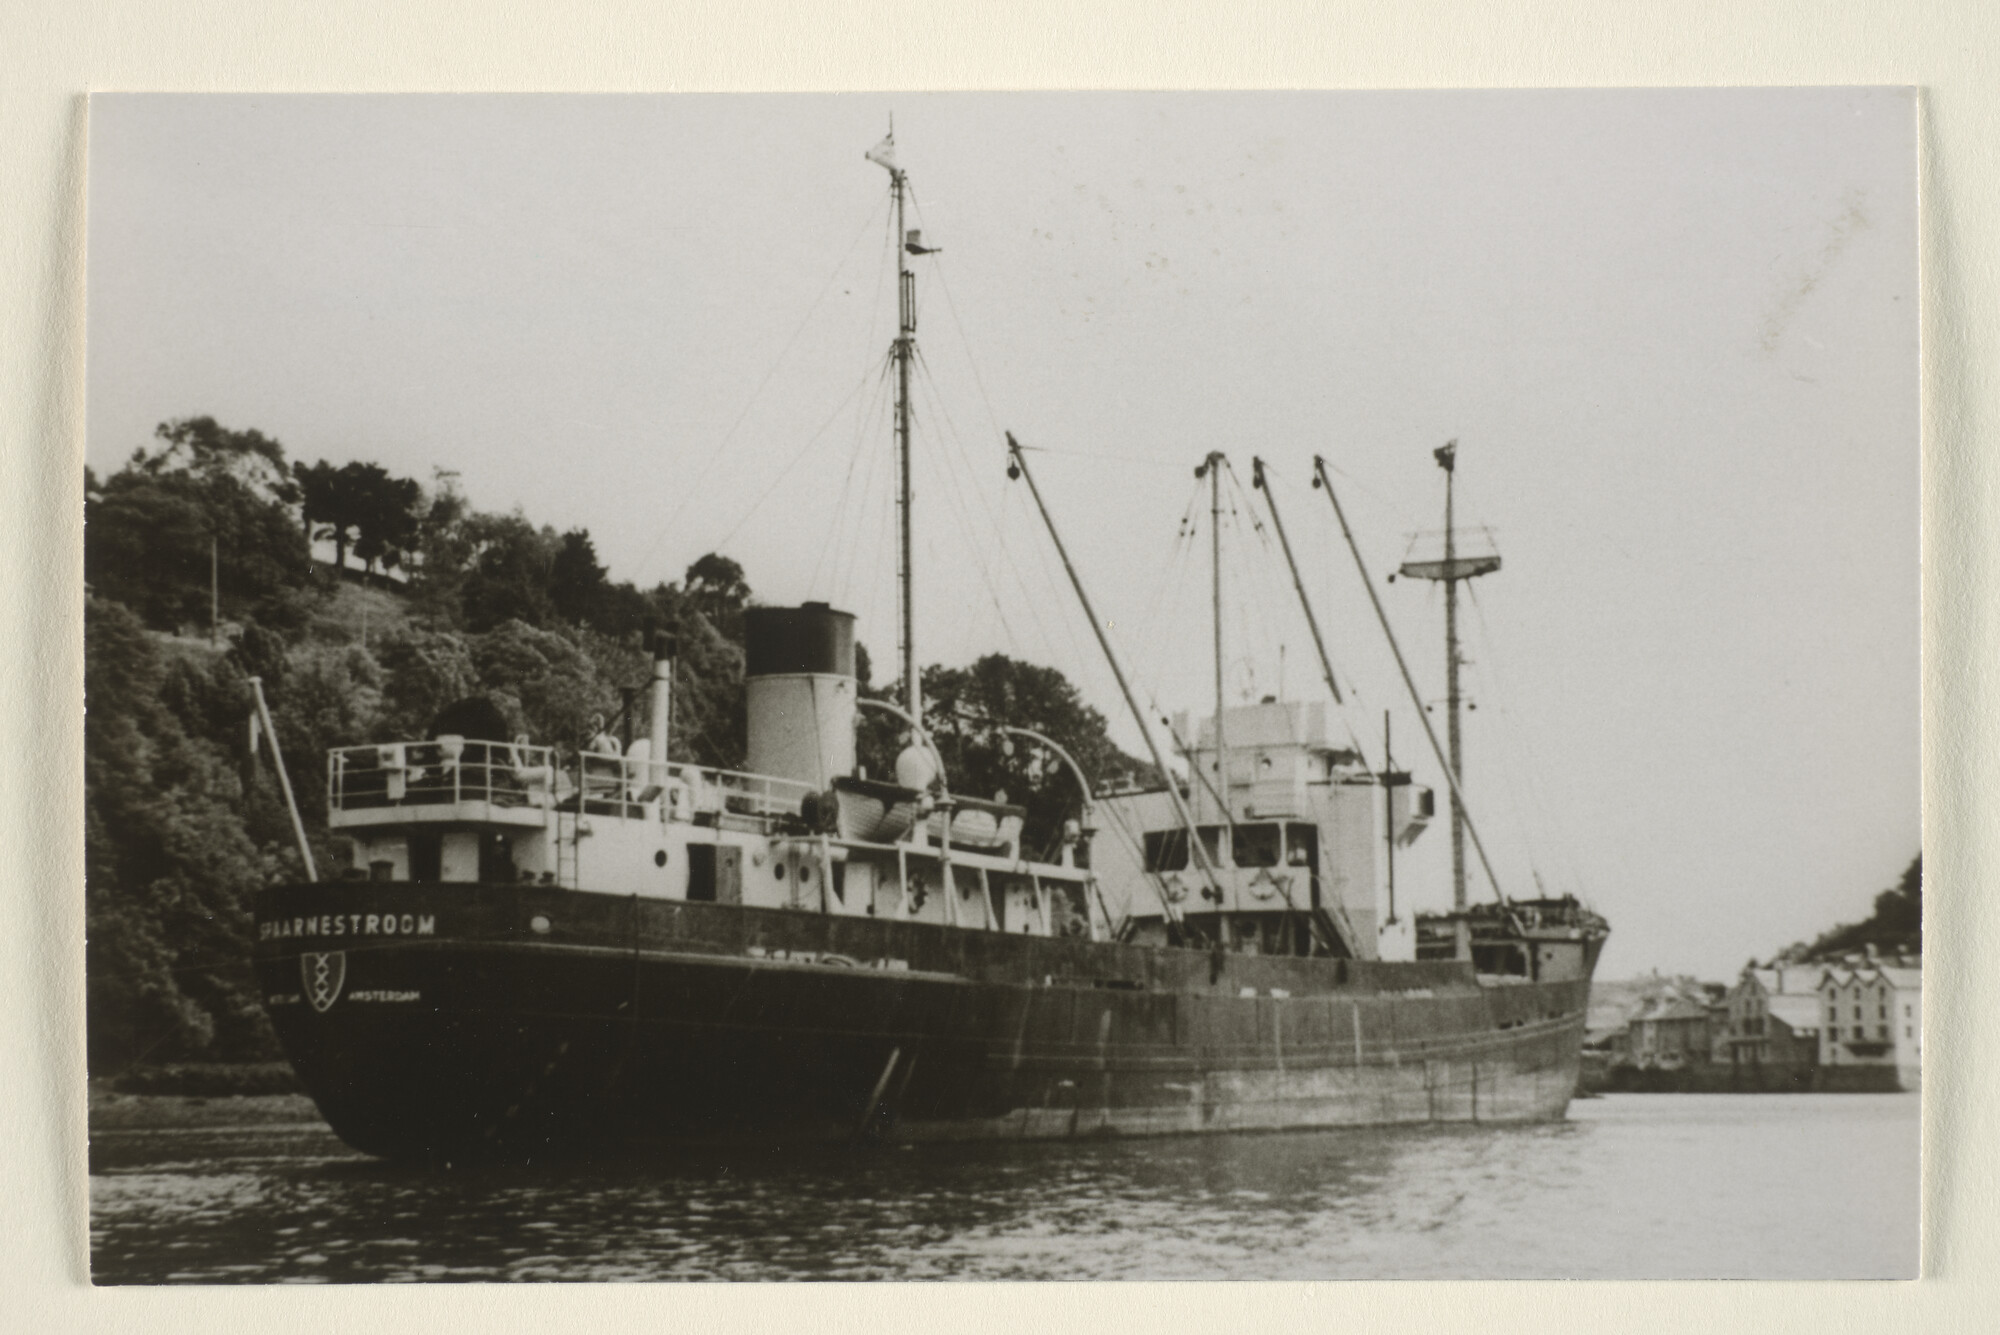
x,y
1450,572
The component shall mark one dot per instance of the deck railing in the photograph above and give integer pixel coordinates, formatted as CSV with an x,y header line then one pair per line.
x,y
687,789
451,771
438,773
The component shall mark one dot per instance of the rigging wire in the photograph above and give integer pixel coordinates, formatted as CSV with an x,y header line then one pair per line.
x,y
1033,599
786,472
1520,739
871,542
876,417
1172,571
847,559
1060,599
1405,519
955,494
1098,457
1176,580
701,475
835,530
1283,577
879,404
872,426
992,418
995,518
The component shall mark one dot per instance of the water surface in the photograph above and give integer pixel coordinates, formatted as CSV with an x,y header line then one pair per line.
x,y
1630,1186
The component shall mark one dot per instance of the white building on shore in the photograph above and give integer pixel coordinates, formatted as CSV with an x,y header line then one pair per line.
x,y
1873,1015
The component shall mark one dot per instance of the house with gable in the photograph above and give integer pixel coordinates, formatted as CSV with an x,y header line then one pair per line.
x,y
1872,1027
1771,1031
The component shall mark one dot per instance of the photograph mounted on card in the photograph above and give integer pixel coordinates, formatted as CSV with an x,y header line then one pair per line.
x,y
1003,686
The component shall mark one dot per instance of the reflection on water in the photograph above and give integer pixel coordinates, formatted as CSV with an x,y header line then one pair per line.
x,y
1631,1186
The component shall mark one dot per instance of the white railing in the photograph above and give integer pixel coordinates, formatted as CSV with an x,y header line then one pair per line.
x,y
450,771
687,789
437,773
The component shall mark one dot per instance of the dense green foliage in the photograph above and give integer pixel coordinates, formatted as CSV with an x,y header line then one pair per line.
x,y
362,505
1896,927
210,500
200,576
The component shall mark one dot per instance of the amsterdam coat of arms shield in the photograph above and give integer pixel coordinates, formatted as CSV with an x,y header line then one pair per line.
x,y
322,974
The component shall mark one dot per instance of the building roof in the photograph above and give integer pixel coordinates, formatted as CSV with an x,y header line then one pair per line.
x,y
1780,980
1896,976
1674,1008
1800,1011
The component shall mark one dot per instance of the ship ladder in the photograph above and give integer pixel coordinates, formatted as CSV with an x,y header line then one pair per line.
x,y
566,832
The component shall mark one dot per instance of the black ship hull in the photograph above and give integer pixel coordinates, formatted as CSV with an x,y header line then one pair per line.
x,y
433,1021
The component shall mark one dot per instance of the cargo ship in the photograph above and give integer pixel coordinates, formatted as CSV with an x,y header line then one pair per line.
x,y
557,949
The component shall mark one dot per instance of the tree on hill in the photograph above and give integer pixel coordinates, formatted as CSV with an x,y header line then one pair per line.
x,y
363,506
544,679
445,553
716,585
508,578
207,495
576,580
1896,927
202,447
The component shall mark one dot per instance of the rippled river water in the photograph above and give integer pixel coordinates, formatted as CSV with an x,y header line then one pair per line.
x,y
1630,1186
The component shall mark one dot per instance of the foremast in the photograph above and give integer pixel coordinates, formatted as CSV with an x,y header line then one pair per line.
x,y
902,352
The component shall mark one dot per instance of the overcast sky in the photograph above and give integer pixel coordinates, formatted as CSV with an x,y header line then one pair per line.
x,y
1675,335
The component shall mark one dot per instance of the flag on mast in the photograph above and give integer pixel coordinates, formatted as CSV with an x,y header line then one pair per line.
x,y
884,153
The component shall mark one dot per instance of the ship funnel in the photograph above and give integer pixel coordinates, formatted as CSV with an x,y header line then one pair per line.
x,y
799,692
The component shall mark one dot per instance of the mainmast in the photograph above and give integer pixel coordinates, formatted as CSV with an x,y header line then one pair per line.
x,y
1449,572
902,351
1212,466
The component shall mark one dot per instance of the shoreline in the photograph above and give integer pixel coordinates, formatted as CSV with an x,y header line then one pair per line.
x,y
113,1111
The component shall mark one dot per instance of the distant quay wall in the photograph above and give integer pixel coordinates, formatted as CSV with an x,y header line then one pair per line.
x,y
1717,1079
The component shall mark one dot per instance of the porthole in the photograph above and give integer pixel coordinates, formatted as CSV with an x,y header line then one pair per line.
x,y
778,870
660,858
805,873
539,924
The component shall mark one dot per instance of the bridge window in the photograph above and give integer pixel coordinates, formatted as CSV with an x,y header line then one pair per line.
x,y
1302,846
1211,844
1255,845
1166,850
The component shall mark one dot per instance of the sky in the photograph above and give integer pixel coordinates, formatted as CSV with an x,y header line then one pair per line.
x,y
1674,334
